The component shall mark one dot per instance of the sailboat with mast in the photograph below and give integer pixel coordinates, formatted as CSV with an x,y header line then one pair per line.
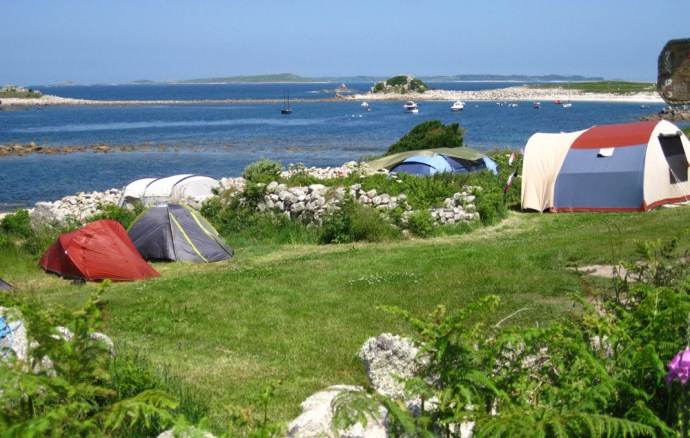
x,y
286,105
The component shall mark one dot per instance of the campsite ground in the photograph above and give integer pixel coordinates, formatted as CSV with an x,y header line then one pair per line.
x,y
299,313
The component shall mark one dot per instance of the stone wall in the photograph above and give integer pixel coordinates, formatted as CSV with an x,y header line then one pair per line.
x,y
307,204
78,208
310,204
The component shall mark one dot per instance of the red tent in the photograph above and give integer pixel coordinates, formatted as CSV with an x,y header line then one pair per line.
x,y
98,251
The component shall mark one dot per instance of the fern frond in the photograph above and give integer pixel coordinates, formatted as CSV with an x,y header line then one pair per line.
x,y
145,406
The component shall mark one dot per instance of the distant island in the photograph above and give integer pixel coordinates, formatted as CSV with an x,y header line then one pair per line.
x,y
291,77
400,85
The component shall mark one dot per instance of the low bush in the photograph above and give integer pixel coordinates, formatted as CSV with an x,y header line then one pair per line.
x,y
17,224
262,171
123,215
421,224
16,230
75,395
353,222
237,220
431,134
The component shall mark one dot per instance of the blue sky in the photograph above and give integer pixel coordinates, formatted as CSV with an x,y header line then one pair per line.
x,y
106,41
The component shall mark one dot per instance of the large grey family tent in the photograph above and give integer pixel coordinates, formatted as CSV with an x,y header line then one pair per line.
x,y
5,285
625,167
431,161
177,233
176,188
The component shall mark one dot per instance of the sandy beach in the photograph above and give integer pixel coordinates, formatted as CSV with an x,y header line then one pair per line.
x,y
518,93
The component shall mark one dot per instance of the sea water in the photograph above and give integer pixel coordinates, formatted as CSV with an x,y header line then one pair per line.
x,y
220,140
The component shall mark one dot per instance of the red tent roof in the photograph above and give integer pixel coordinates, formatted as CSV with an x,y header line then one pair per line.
x,y
613,136
98,251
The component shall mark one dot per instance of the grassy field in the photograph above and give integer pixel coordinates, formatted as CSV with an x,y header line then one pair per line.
x,y
614,87
18,94
299,313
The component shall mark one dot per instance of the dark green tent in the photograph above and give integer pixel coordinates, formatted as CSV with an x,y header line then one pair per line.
x,y
177,233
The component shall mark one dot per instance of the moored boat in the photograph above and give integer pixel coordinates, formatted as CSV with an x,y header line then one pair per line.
x,y
286,108
411,107
458,106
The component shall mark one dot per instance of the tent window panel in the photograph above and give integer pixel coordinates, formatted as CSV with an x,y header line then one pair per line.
x,y
673,150
605,152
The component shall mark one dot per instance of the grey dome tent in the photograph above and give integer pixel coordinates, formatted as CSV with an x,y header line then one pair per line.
x,y
177,233
4,285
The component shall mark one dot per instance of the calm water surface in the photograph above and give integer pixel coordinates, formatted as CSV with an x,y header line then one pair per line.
x,y
220,140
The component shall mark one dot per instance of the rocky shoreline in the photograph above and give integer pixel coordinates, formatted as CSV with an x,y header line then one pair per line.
x,y
519,93
21,150
669,114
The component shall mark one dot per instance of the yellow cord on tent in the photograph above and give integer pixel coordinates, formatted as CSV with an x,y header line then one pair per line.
x,y
208,233
187,237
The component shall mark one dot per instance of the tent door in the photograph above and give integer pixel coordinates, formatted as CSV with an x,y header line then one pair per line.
x,y
672,146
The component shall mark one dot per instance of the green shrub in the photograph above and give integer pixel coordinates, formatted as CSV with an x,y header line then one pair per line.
x,y
133,373
397,80
491,207
124,216
420,223
431,134
238,221
353,222
418,85
75,396
40,240
17,224
262,171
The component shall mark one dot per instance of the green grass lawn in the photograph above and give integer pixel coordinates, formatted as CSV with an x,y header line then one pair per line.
x,y
20,95
299,313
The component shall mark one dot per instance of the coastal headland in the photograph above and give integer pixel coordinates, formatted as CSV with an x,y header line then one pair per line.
x,y
518,93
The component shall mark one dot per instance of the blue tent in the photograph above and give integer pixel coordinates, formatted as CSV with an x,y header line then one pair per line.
x,y
431,161
422,165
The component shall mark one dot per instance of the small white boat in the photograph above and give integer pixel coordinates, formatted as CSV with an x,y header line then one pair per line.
x,y
567,104
365,104
512,105
457,106
411,107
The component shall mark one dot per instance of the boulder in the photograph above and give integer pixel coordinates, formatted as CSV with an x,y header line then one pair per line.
x,y
317,416
388,356
190,432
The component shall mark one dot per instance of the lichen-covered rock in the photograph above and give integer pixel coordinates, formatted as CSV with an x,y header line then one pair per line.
x,y
389,356
317,416
189,433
